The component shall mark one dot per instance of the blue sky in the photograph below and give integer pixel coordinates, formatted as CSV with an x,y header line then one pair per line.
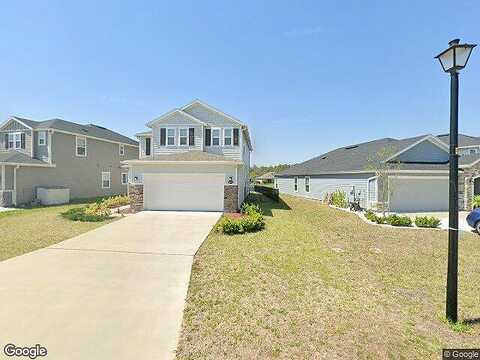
x,y
306,76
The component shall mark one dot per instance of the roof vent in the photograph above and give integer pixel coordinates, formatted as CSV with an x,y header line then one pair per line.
x,y
351,147
323,158
84,130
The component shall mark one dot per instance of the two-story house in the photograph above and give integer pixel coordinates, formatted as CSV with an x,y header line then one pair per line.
x,y
56,153
192,158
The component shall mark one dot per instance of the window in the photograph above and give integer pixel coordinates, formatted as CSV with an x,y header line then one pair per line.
x,y
15,141
42,138
148,142
215,137
170,136
183,137
106,180
307,183
81,146
295,184
227,137
121,149
124,178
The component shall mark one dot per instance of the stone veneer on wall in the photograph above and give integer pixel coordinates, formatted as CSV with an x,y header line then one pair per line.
x,y
230,198
135,191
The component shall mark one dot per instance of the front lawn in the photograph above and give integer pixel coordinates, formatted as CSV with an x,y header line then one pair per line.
x,y
320,283
27,230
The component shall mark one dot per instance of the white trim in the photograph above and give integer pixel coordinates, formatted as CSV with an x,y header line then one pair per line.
x,y
29,165
430,138
178,162
305,184
166,136
219,136
120,148
45,133
295,184
76,146
3,178
13,118
14,134
179,136
231,136
369,172
421,177
109,179
87,136
170,113
49,144
209,107
14,192
121,178
369,203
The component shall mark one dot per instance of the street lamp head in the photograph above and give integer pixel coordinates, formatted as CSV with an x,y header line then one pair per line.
x,y
455,58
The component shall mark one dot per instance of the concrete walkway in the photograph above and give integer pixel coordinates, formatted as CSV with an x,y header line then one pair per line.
x,y
116,292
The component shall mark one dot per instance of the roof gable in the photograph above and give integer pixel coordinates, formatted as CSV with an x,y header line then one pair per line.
x,y
176,116
419,150
15,123
210,115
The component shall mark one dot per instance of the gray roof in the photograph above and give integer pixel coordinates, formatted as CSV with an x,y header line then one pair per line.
x,y
195,155
267,176
88,130
16,157
356,157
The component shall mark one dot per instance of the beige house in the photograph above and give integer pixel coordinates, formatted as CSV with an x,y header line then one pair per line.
x,y
85,159
192,158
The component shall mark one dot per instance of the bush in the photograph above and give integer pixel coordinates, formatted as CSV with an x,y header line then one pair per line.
x,y
396,220
251,221
339,199
79,214
116,201
476,201
370,215
427,222
98,209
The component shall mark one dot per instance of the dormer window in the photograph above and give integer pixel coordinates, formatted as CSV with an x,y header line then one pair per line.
x,y
227,136
216,137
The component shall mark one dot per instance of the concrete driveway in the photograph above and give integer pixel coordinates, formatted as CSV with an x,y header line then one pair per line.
x,y
443,216
116,292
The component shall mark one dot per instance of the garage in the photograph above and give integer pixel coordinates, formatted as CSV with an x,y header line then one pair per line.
x,y
415,193
189,192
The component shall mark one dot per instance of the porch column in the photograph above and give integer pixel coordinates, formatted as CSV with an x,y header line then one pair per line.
x,y
3,178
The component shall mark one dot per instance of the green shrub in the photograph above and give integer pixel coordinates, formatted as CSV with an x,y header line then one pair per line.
x,y
370,215
116,201
339,199
98,209
251,221
476,201
427,222
230,226
78,214
249,209
396,220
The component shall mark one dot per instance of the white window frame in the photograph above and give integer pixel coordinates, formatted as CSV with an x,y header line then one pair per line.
x,y
180,137
174,136
121,149
76,146
307,178
16,137
295,184
226,137
109,179
219,136
122,178
42,138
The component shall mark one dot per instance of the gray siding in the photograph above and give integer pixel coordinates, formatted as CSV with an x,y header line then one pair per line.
x,y
163,150
15,127
208,116
40,151
424,152
82,175
326,184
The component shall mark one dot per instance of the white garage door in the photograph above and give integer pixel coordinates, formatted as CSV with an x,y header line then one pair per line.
x,y
196,192
419,194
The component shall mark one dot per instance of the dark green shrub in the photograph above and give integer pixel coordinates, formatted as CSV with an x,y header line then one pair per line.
x,y
339,199
230,226
252,223
427,222
252,220
249,209
370,215
476,201
78,214
396,220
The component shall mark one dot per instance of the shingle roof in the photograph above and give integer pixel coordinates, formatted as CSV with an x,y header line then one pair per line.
x,y
89,130
16,157
195,155
463,140
356,157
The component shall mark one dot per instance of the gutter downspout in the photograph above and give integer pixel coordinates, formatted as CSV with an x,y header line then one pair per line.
x,y
14,193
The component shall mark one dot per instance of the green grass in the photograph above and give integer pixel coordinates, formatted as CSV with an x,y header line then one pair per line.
x,y
288,292
29,229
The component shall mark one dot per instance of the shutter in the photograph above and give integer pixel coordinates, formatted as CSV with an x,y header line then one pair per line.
x,y
208,137
6,141
163,136
148,143
236,134
191,136
22,136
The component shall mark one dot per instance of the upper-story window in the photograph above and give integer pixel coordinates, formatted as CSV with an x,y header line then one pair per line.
x,y
42,138
183,137
81,146
16,140
215,136
228,137
121,149
170,136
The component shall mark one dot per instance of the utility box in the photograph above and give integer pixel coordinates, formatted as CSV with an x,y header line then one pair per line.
x,y
53,195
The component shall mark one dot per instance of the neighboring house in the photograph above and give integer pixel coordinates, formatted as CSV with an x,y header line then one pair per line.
x,y
418,181
192,158
265,178
58,153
